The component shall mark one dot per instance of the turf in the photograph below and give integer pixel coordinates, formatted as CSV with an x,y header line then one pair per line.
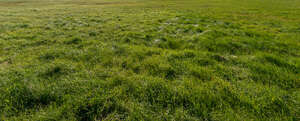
x,y
210,60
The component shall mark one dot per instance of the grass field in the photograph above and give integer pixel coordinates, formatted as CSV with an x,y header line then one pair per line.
x,y
150,60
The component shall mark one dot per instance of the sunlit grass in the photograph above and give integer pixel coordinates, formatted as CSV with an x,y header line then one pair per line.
x,y
149,60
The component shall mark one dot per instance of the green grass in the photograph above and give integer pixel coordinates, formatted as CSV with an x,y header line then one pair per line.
x,y
211,60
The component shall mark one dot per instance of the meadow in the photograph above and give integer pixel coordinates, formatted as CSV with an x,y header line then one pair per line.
x,y
150,60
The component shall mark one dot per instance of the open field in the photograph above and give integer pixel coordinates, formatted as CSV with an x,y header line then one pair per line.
x,y
150,60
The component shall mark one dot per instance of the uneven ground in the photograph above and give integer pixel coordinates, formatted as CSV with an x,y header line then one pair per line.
x,y
150,60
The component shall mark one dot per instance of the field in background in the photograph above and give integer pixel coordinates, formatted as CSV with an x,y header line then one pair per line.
x,y
150,60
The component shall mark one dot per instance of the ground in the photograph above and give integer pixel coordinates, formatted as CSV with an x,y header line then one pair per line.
x,y
151,60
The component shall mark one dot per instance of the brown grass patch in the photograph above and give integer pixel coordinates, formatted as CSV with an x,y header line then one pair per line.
x,y
11,3
100,3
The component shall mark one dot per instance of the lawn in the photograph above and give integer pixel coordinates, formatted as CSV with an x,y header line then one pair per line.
x,y
150,60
